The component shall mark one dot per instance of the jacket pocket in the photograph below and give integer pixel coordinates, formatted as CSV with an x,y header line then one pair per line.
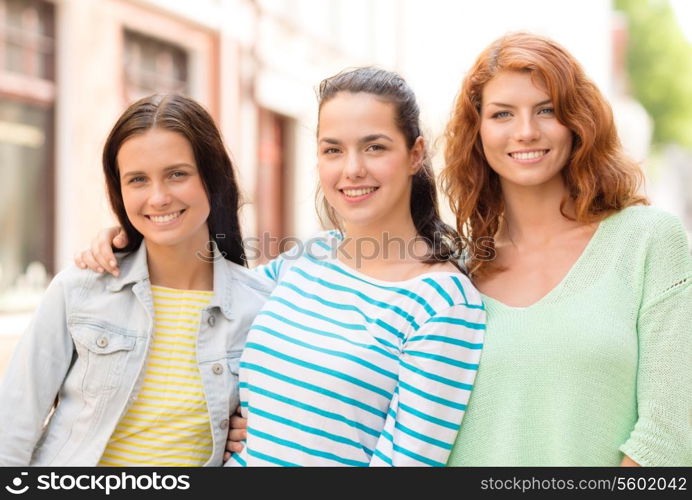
x,y
103,352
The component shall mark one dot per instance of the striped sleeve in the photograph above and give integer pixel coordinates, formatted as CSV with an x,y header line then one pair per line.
x,y
276,268
437,370
271,269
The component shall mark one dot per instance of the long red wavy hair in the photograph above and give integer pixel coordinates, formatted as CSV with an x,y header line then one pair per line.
x,y
600,179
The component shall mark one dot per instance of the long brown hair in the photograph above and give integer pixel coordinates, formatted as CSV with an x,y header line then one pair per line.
x,y
442,239
600,179
186,117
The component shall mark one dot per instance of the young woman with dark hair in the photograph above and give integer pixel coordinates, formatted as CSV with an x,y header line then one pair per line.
x,y
589,295
363,360
368,364
142,369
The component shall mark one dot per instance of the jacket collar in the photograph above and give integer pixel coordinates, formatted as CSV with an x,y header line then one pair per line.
x,y
134,269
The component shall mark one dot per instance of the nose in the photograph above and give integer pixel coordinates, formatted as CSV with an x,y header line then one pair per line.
x,y
160,196
355,166
527,130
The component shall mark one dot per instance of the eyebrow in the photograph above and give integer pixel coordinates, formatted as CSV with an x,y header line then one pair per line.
x,y
503,105
362,140
167,169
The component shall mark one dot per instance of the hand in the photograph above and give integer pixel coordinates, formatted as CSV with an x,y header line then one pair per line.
x,y
628,462
100,256
236,434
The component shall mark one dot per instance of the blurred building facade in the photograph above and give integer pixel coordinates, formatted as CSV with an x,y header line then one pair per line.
x,y
68,68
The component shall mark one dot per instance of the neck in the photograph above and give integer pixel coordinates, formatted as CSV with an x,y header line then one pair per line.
x,y
184,267
378,244
532,214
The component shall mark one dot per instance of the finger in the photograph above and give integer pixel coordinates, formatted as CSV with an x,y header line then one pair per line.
x,y
103,253
234,446
238,422
79,261
226,456
120,239
90,262
237,434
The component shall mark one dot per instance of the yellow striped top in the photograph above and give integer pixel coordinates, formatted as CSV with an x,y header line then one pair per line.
x,y
168,424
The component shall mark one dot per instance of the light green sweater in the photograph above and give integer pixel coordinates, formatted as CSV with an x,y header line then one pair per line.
x,y
600,366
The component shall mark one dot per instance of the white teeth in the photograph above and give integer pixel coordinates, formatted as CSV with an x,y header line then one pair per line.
x,y
160,219
530,155
357,192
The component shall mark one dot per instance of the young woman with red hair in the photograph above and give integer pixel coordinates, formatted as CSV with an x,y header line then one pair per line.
x,y
588,291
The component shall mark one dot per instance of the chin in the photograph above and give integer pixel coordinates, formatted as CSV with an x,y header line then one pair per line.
x,y
165,241
532,180
357,219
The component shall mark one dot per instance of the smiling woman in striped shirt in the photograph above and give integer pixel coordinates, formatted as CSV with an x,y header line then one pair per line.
x,y
367,350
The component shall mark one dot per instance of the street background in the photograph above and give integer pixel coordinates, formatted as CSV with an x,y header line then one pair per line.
x,y
68,68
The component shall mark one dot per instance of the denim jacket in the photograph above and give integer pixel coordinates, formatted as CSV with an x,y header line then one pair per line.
x,y
80,364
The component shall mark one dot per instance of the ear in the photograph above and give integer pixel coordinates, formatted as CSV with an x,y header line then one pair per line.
x,y
416,155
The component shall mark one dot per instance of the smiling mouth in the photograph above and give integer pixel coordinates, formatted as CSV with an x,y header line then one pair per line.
x,y
163,219
529,155
358,192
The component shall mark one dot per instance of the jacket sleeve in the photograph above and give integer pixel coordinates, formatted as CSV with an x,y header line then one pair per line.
x,y
34,376
437,369
662,435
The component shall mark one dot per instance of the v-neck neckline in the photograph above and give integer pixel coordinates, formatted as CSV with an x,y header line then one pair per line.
x,y
576,265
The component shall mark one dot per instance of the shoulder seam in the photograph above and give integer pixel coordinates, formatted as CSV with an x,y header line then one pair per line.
x,y
674,289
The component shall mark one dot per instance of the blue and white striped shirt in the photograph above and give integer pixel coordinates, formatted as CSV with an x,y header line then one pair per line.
x,y
343,369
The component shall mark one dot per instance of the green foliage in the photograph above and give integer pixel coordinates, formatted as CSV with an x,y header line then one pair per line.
x,y
659,61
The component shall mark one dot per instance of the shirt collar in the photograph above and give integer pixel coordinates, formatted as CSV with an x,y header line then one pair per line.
x,y
134,269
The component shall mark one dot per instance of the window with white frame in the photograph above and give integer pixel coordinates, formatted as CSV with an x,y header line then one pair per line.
x,y
153,65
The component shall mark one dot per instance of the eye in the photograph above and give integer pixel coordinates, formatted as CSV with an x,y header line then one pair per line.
x,y
501,114
330,150
546,111
178,174
137,180
375,147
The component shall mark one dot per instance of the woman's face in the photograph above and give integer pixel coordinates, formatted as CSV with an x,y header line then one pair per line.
x,y
162,190
365,165
522,140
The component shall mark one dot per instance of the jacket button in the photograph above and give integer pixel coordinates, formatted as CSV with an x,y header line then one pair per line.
x,y
102,341
217,368
211,320
224,424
